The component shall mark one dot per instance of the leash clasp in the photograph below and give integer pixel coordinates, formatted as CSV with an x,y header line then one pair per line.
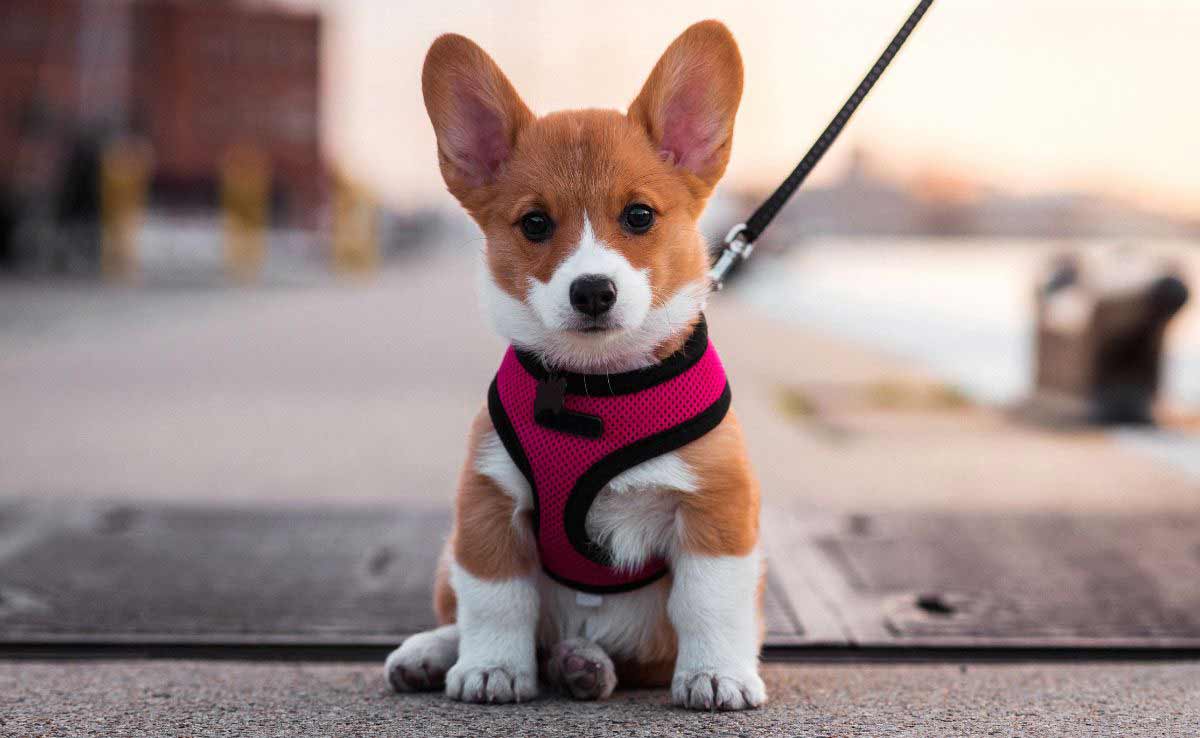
x,y
736,247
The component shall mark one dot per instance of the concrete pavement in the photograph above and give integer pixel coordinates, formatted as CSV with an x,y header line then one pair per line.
x,y
197,698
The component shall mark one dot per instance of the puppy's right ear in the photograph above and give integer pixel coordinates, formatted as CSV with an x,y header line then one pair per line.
x,y
475,111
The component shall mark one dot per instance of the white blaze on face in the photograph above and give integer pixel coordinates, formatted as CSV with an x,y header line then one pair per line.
x,y
543,321
592,257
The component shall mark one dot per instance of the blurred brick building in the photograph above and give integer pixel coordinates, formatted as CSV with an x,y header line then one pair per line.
x,y
195,77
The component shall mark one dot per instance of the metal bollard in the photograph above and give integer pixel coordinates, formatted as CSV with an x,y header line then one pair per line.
x,y
355,229
1100,326
245,192
124,169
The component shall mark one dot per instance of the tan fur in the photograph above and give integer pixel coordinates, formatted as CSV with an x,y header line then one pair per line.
x,y
488,541
445,603
662,644
587,161
699,59
721,518
594,163
457,70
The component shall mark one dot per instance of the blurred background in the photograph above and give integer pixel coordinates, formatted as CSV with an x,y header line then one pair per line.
x,y
240,350
231,270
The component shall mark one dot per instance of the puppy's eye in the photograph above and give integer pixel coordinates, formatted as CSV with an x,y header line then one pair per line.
x,y
637,218
537,226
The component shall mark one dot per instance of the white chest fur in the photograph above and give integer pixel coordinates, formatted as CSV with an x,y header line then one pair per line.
x,y
634,517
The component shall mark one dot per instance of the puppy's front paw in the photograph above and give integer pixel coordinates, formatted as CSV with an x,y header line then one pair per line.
x,y
711,690
494,684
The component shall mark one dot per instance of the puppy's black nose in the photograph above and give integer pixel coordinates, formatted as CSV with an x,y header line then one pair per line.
x,y
593,295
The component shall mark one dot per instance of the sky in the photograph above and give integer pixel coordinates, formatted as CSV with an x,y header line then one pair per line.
x,y
1027,95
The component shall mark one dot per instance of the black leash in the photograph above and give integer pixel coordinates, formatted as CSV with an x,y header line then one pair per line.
x,y
739,243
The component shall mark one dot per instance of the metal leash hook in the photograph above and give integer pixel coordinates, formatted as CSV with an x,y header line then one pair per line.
x,y
735,248
739,244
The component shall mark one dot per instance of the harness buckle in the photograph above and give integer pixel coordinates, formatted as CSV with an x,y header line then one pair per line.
x,y
736,247
549,411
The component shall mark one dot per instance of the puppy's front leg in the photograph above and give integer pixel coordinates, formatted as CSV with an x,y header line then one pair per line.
x,y
717,574
713,606
493,576
497,657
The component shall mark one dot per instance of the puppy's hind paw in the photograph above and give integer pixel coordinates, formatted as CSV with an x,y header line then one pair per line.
x,y
581,669
421,662
709,690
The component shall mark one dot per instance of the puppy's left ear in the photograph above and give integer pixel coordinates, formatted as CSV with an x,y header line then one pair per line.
x,y
688,103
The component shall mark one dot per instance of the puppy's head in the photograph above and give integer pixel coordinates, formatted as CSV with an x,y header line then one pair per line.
x,y
593,258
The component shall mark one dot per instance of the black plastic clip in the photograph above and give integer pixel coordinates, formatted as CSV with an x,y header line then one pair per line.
x,y
550,412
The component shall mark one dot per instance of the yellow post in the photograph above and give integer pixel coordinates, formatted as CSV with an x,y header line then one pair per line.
x,y
124,169
355,241
245,191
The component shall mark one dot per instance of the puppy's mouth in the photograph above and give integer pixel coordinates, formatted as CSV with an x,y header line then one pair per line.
x,y
595,327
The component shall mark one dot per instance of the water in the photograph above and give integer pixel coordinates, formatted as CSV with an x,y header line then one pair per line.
x,y
961,309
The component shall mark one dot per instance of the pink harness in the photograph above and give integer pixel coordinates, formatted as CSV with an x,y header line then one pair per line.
x,y
570,434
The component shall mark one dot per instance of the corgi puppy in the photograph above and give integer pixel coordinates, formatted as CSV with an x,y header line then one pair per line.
x,y
606,523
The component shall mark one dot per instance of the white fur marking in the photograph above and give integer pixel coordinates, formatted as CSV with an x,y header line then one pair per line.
x,y
552,301
712,607
538,325
634,515
492,461
496,653
634,527
668,471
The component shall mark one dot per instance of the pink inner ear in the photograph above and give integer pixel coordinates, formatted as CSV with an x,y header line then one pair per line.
x,y
691,128
477,142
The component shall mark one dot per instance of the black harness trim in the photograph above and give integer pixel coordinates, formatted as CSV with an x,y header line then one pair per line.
x,y
589,484
625,383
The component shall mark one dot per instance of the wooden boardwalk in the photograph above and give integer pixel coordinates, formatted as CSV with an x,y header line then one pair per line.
x,y
124,576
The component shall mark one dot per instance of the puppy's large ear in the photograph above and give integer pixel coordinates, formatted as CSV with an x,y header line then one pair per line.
x,y
475,111
688,104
